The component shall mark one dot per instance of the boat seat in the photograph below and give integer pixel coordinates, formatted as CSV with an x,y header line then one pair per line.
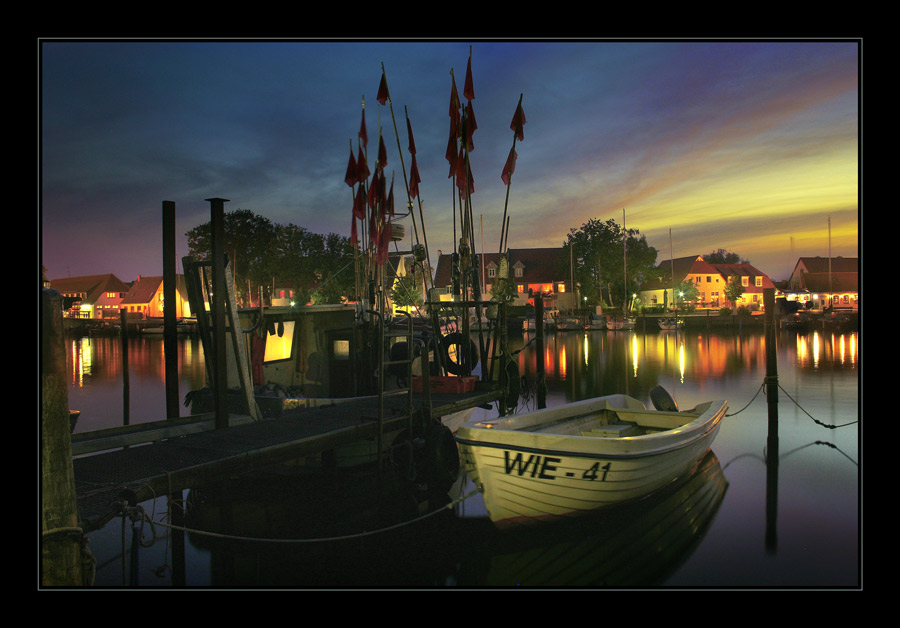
x,y
617,430
656,419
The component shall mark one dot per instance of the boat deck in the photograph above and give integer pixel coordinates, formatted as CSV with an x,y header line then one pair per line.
x,y
166,457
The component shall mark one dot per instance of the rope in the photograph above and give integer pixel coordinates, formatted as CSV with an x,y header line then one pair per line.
x,y
769,380
758,390
138,511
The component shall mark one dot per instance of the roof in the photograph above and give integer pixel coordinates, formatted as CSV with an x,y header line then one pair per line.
x,y
143,290
838,264
838,282
90,285
540,265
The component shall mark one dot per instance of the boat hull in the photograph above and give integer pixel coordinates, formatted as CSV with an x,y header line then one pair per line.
x,y
529,476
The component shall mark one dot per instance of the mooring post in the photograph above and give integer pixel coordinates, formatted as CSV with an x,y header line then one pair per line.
x,y
170,351
539,350
126,385
772,439
220,385
170,310
61,538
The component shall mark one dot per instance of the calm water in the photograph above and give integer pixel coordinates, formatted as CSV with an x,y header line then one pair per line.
x,y
729,527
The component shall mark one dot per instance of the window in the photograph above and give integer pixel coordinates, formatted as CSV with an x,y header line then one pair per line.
x,y
759,282
278,346
492,272
518,272
745,281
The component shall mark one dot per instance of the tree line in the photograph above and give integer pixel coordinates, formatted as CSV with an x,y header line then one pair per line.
x,y
609,263
318,267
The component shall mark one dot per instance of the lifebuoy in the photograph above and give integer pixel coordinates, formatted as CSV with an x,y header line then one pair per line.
x,y
460,366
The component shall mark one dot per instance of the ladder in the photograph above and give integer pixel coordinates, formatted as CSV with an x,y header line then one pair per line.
x,y
386,336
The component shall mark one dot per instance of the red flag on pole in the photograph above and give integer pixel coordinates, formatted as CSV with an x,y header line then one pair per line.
x,y
471,125
359,205
362,167
468,86
390,200
518,121
383,95
454,107
463,173
510,166
412,141
414,178
363,135
350,177
382,154
451,153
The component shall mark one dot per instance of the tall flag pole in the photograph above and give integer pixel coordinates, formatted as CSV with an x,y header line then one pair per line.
x,y
384,97
518,121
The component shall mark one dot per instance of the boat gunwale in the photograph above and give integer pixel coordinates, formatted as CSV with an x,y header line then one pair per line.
x,y
599,447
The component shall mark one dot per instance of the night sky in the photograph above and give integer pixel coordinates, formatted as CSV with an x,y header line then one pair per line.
x,y
749,146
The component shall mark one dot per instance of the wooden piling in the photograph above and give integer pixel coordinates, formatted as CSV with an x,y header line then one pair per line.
x,y
539,350
220,385
772,439
61,538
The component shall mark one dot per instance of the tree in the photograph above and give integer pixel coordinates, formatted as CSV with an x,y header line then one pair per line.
x,y
721,256
684,292
600,261
314,265
734,290
249,244
407,290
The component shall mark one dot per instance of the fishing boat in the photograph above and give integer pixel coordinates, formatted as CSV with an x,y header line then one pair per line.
x,y
620,323
569,324
669,324
595,323
563,462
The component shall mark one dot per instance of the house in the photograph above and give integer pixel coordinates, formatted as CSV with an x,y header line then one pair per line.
x,y
709,279
533,271
827,283
91,296
145,298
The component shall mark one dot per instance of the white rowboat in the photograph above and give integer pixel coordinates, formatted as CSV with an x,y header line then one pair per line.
x,y
563,462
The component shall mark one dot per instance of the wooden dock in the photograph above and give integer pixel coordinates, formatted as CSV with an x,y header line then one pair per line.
x,y
165,457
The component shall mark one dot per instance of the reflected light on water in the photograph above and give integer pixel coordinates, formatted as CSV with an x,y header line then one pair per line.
x,y
81,361
634,353
816,348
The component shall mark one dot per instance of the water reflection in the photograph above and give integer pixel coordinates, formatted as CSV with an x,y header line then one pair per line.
x,y
600,363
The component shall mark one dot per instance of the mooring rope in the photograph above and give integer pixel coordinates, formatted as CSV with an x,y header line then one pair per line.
x,y
796,403
138,512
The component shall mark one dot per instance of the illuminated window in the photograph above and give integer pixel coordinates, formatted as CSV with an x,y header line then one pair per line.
x,y
279,346
560,287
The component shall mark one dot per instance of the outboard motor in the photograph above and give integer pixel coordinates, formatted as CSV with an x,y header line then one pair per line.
x,y
662,400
